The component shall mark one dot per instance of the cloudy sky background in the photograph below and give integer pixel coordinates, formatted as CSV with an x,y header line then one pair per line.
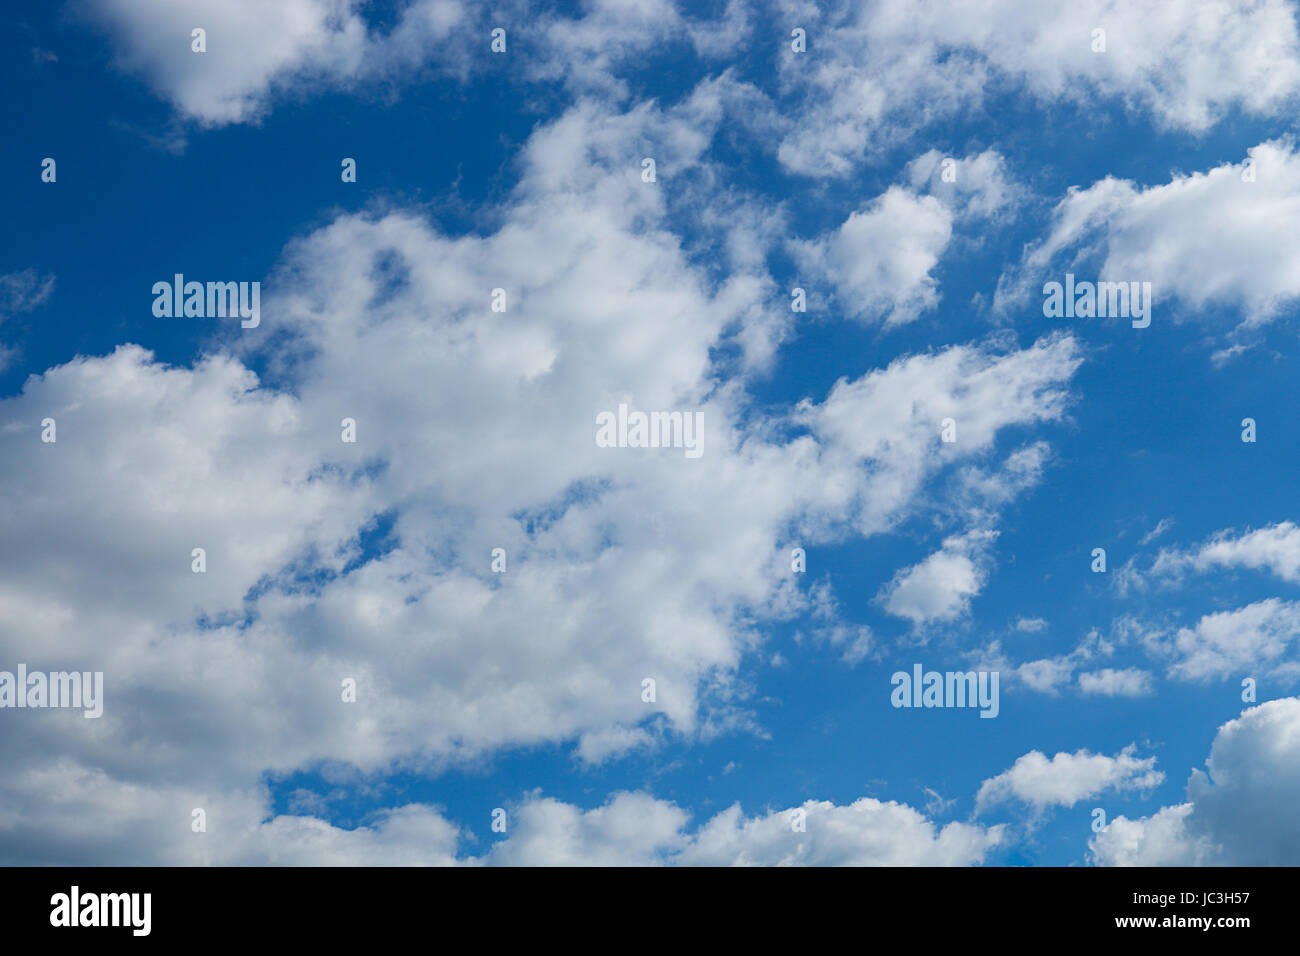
x,y
775,170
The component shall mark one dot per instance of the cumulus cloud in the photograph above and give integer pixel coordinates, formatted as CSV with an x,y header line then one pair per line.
x,y
1239,811
875,73
881,260
975,385
1201,239
56,823
371,561
1275,548
940,588
589,52
978,186
64,813
632,829
1255,639
867,832
250,46
881,257
256,52
1067,778
1048,675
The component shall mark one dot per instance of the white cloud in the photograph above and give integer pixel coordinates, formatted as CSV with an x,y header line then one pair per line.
x,y
250,47
1223,356
632,829
981,186
1158,840
635,829
1163,525
64,813
1045,675
940,588
598,746
856,642
973,385
1275,548
875,73
867,832
23,291
881,257
1110,682
1202,239
589,52
1240,811
56,816
475,431
1251,640
1067,778
256,51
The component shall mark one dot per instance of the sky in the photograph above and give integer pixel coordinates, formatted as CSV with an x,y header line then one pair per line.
x,y
824,232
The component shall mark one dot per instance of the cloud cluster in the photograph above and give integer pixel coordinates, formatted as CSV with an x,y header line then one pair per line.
x,y
1251,640
371,561
1067,778
876,73
1239,811
1203,239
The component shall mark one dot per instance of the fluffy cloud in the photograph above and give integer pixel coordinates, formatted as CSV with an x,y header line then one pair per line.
x,y
1240,810
256,51
873,73
629,829
867,832
880,258
1202,239
1256,639
371,561
980,188
1251,640
589,52
1112,682
632,829
876,72
1048,675
1275,548
1067,778
64,813
250,46
975,386
940,588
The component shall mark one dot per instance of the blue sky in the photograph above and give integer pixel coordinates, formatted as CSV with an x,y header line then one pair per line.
x,y
775,169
